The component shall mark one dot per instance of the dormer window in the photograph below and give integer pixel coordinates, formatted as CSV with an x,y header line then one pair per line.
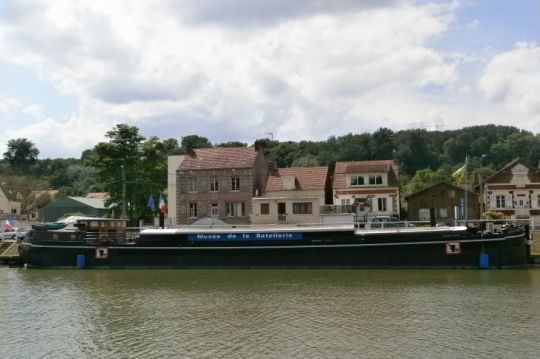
x,y
289,183
357,180
375,180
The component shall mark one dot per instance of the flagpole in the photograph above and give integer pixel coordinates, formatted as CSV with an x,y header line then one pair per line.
x,y
466,194
124,200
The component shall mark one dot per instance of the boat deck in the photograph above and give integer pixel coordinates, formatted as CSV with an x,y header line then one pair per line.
x,y
253,229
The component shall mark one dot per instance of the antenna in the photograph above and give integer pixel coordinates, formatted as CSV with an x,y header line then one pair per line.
x,y
271,135
439,124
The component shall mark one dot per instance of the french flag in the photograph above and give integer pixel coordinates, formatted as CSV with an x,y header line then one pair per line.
x,y
9,225
162,205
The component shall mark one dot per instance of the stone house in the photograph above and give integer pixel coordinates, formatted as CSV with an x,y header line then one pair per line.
x,y
293,195
513,191
220,183
368,188
447,200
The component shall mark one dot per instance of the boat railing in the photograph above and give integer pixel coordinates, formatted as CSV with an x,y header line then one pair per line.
x,y
370,225
110,237
485,225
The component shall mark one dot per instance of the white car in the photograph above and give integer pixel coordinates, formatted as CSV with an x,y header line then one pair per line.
x,y
13,235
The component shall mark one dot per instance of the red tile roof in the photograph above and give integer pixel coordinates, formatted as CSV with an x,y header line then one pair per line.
x,y
342,168
220,158
307,178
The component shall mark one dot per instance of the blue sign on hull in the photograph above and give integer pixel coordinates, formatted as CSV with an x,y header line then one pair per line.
x,y
276,236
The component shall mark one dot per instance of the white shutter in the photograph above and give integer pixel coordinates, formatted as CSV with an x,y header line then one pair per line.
x,y
509,203
492,202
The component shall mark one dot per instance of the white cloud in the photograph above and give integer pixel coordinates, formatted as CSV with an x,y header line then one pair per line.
x,y
55,139
237,69
513,78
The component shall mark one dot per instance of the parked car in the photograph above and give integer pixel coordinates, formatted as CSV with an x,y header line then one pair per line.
x,y
15,234
388,222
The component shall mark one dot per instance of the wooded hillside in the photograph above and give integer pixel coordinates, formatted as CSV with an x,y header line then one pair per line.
x,y
424,157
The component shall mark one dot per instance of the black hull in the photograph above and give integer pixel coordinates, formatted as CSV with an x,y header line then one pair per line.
x,y
384,252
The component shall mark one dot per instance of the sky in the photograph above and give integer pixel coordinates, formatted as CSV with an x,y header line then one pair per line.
x,y
239,70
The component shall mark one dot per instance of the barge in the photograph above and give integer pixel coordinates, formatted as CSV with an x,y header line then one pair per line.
x,y
103,243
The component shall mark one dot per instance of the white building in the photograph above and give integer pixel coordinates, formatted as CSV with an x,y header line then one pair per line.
x,y
369,188
513,191
292,195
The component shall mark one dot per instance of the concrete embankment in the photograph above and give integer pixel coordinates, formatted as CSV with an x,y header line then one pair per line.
x,y
9,253
535,248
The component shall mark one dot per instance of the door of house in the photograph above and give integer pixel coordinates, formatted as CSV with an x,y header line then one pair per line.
x,y
282,211
214,210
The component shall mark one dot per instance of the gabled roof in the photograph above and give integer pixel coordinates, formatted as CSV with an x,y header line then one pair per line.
x,y
91,202
306,178
510,165
220,158
342,168
430,188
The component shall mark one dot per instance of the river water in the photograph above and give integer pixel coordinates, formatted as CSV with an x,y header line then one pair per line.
x,y
269,313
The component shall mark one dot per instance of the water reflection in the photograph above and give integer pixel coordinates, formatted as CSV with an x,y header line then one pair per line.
x,y
270,313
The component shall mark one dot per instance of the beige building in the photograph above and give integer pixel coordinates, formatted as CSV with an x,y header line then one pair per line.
x,y
513,191
7,206
173,163
292,195
367,188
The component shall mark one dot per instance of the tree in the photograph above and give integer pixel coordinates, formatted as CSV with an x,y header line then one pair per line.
x,y
308,160
191,142
144,163
232,144
382,144
171,147
21,153
424,179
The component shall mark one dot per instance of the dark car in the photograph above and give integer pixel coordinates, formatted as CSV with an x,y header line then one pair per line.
x,y
388,222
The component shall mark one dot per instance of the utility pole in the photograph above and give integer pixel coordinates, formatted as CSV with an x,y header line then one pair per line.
x,y
271,135
124,204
